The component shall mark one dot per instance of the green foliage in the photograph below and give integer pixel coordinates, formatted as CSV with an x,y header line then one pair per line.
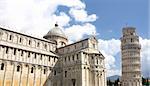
x,y
145,81
114,83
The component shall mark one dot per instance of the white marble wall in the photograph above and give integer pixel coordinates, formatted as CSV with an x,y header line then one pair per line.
x,y
130,50
22,54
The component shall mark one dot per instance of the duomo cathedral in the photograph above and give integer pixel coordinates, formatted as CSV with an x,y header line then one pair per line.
x,y
31,61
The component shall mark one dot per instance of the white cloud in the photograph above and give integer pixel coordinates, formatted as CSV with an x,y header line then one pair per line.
x,y
111,47
76,32
112,72
74,3
82,16
63,19
145,55
35,16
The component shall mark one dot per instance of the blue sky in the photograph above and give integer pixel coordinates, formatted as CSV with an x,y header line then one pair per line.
x,y
79,19
115,14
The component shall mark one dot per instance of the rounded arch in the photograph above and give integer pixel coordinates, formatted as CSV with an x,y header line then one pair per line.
x,y
32,69
2,66
45,70
62,43
55,42
18,68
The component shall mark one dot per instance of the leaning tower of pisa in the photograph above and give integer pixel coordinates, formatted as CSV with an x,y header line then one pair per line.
x,y
130,51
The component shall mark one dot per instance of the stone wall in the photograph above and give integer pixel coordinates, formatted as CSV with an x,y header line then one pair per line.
x,y
26,40
25,60
81,64
130,51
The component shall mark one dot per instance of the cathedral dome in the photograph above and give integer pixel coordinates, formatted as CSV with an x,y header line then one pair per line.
x,y
56,31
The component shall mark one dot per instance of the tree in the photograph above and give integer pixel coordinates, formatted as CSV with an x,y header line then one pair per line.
x,y
116,82
147,82
109,83
143,80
